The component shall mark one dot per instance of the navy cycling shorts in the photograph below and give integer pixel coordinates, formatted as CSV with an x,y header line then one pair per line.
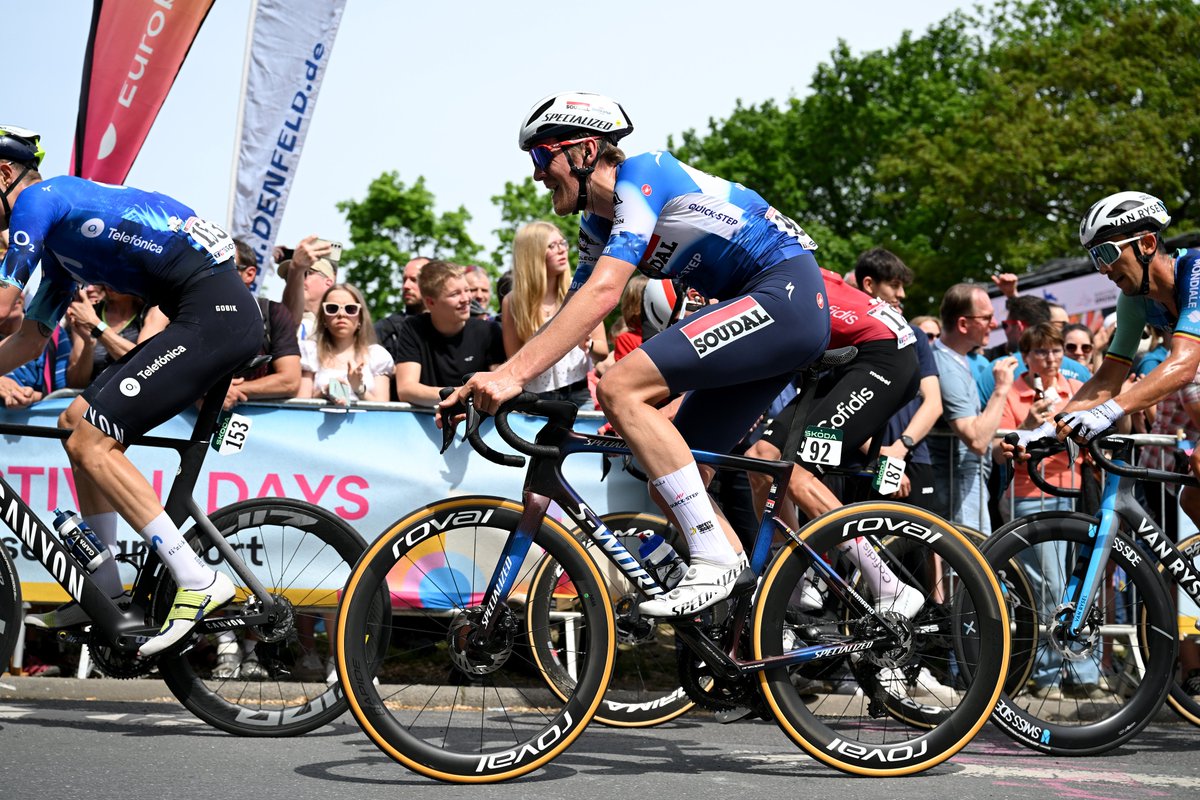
x,y
734,358
216,327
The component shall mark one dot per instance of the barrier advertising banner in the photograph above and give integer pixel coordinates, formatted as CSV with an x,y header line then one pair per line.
x,y
289,51
135,49
369,468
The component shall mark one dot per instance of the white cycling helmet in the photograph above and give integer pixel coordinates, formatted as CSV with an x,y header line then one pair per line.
x,y
661,302
569,115
1121,214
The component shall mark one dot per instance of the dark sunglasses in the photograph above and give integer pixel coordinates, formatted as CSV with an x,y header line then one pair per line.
x,y
543,154
931,336
351,309
1079,348
1106,254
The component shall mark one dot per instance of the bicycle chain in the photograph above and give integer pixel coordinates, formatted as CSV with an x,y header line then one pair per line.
x,y
117,663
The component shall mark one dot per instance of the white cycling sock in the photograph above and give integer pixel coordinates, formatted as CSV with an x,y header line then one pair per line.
x,y
685,495
186,566
108,575
883,583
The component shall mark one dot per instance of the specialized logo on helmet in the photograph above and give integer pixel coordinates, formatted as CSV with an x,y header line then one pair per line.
x,y
92,228
722,327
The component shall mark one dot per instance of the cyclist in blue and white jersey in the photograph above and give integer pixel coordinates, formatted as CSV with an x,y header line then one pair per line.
x,y
655,214
1123,236
156,248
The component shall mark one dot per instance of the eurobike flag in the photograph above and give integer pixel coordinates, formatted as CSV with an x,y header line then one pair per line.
x,y
290,50
134,51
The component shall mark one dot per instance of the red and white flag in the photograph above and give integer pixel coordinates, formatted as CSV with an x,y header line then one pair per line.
x,y
135,49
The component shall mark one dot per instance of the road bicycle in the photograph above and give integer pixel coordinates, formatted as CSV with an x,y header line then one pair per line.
x,y
1105,631
287,558
478,708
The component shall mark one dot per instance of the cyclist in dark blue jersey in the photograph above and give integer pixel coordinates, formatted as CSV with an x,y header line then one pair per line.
x,y
655,214
152,246
1123,236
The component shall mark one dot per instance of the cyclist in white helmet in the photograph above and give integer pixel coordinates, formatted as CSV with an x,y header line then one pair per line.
x,y
654,214
1123,236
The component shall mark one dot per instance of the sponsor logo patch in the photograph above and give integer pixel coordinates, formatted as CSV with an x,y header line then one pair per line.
x,y
726,325
92,228
130,387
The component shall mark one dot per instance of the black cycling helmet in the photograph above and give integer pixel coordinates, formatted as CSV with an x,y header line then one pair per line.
x,y
21,146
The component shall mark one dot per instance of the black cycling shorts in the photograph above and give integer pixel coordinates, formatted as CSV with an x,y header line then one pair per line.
x,y
734,357
857,399
216,327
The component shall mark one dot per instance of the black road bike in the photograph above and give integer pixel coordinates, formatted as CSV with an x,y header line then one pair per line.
x,y
468,675
287,558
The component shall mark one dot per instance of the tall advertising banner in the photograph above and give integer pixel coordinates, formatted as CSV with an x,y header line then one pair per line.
x,y
289,51
134,51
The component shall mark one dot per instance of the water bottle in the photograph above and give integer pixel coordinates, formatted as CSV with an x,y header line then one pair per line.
x,y
661,560
81,540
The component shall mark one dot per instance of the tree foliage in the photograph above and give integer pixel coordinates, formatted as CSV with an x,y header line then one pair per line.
x,y
975,147
393,224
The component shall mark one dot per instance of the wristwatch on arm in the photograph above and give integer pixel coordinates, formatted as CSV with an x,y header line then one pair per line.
x,y
99,329
908,442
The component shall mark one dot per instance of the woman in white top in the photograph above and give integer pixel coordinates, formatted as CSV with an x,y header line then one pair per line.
x,y
341,361
541,277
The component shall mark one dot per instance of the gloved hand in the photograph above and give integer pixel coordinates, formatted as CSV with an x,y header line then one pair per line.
x,y
1047,430
1087,425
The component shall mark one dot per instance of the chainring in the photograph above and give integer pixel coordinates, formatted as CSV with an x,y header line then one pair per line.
x,y
117,663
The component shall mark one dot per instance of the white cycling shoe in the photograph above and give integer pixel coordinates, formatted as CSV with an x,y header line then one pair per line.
x,y
908,602
191,606
702,586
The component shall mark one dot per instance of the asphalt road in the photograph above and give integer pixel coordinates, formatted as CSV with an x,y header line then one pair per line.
x,y
106,748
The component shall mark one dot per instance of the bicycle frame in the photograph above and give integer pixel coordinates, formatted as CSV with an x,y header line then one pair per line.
x,y
544,482
127,630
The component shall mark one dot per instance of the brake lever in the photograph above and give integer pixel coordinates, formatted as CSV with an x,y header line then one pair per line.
x,y
449,421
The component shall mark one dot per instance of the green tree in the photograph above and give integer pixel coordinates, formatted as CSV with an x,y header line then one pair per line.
x,y
520,204
975,147
393,224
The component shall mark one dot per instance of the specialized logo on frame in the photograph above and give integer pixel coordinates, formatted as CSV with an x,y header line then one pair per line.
x,y
725,326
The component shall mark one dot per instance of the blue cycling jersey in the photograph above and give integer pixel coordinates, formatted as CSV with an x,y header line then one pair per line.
x,y
1133,313
674,221
127,239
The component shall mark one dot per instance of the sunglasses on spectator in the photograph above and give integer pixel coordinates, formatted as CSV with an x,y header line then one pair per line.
x,y
1086,349
931,336
1106,254
543,154
350,309
1046,352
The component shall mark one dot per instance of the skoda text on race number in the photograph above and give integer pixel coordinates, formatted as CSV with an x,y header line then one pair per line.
x,y
716,329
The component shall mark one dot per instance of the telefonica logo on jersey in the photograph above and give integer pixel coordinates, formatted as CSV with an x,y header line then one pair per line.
x,y
134,240
161,361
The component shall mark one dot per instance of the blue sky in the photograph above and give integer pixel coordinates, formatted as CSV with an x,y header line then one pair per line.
x,y
437,89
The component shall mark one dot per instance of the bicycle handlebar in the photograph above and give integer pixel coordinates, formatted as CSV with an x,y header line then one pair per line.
x,y
1039,450
1117,441
559,413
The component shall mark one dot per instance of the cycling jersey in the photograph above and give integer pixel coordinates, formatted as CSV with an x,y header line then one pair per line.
x,y
674,221
1134,313
856,318
136,242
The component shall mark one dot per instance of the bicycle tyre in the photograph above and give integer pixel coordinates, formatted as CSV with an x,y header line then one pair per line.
x,y
300,551
1068,725
849,732
436,563
1187,706
1018,594
644,690
10,608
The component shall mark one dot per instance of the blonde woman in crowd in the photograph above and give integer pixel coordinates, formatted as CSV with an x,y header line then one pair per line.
x,y
341,361
541,278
